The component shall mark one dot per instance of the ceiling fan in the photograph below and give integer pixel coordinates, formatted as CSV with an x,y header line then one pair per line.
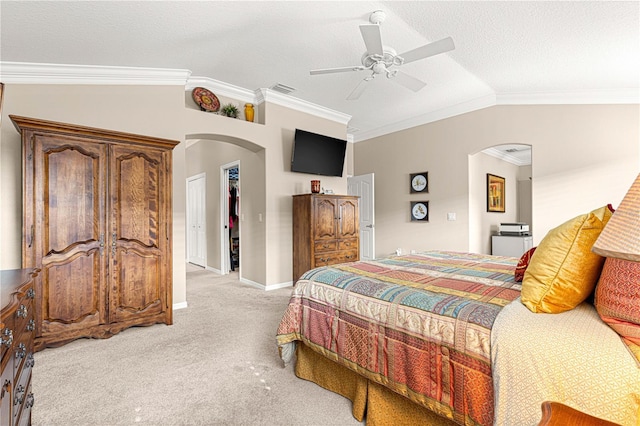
x,y
384,60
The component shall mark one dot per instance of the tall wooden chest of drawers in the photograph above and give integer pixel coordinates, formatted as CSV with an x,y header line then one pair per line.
x,y
326,231
17,333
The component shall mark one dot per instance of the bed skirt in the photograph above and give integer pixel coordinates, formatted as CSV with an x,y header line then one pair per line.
x,y
378,404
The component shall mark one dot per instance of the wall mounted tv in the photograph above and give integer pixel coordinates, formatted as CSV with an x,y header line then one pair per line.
x,y
317,154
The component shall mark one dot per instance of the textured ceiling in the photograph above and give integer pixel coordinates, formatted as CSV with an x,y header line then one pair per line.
x,y
517,52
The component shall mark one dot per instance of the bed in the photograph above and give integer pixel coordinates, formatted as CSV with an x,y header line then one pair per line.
x,y
441,338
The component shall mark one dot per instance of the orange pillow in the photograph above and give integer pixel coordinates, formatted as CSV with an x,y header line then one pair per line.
x,y
618,300
563,271
523,263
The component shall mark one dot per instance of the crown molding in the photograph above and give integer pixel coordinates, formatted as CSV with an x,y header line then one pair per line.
x,y
506,157
36,73
611,96
268,95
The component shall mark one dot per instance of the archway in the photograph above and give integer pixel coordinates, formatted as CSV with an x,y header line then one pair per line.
x,y
514,163
205,154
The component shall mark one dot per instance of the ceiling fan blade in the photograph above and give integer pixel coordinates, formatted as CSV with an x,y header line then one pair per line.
x,y
360,88
408,81
372,38
440,46
334,70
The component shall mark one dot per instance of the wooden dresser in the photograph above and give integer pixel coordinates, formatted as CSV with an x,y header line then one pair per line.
x,y
97,223
326,231
17,332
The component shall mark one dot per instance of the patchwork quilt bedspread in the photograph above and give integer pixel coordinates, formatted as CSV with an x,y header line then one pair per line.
x,y
419,324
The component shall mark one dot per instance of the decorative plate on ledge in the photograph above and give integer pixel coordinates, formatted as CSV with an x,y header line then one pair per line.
x,y
205,99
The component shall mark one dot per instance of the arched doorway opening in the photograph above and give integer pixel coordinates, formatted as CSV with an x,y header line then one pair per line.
x,y
513,162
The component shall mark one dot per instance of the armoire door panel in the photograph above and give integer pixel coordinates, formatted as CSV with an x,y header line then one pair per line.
x,y
325,213
67,226
137,291
71,292
137,199
71,197
138,239
348,219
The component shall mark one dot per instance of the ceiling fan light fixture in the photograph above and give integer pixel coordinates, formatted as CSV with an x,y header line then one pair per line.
x,y
379,59
377,17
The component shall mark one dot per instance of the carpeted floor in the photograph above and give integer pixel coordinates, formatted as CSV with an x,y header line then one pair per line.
x,y
217,364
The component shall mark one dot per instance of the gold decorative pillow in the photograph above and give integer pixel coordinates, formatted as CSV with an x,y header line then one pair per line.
x,y
563,271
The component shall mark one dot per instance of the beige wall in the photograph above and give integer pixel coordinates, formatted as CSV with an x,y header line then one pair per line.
x,y
584,156
165,111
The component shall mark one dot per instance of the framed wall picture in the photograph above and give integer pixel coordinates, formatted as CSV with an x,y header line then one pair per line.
x,y
420,211
419,182
495,193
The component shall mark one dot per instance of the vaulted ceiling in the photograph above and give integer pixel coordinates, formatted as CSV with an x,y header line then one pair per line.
x,y
506,52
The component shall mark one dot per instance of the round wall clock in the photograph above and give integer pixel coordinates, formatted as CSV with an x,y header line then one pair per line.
x,y
420,211
419,182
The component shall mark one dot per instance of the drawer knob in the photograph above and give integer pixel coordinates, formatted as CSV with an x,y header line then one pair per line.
x,y
21,351
30,400
22,311
30,362
17,400
31,325
31,294
8,333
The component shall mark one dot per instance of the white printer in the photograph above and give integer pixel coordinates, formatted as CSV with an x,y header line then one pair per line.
x,y
514,228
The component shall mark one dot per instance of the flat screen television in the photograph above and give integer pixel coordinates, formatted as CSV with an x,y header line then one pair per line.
x,y
317,154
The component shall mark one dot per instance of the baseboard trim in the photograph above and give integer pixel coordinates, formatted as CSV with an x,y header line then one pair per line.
x,y
217,271
279,285
252,283
180,305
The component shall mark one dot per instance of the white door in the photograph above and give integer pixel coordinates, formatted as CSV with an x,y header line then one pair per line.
x,y
363,187
196,217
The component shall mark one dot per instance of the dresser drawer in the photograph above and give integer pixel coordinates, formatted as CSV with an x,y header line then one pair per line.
x,y
6,402
22,389
351,244
326,259
325,246
7,335
348,256
25,415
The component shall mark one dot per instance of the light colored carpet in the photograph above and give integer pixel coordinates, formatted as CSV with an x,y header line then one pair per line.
x,y
217,364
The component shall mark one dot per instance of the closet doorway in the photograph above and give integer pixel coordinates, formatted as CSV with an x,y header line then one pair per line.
x,y
197,220
230,217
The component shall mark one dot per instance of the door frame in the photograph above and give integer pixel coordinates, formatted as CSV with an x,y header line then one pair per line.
x,y
367,222
188,216
225,249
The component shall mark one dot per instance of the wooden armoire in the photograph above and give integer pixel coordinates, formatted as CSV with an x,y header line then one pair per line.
x,y
97,222
326,231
